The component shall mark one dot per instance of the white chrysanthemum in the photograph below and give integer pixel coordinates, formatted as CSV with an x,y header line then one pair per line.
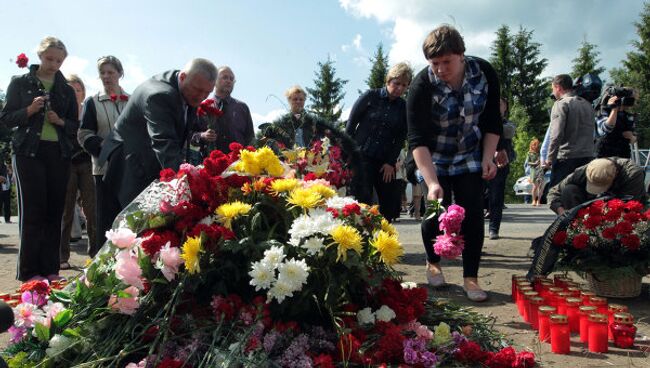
x,y
294,272
208,220
302,227
385,314
365,316
323,222
58,343
274,256
409,285
313,245
262,275
340,202
280,290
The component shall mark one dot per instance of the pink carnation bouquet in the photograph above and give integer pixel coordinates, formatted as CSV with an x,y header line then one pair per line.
x,y
450,244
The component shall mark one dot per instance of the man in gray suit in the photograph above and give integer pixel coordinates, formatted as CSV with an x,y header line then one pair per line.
x,y
152,133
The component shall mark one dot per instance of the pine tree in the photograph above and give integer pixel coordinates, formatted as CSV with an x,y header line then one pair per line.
x,y
327,93
501,60
635,73
379,61
587,60
528,89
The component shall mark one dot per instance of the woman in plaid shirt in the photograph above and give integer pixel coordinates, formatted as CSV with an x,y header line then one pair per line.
x,y
454,126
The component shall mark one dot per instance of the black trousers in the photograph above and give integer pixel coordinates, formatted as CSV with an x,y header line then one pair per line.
x,y
467,192
41,181
5,198
107,208
388,194
496,197
562,168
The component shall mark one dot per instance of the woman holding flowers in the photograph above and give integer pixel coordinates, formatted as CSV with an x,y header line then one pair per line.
x,y
100,114
43,108
454,126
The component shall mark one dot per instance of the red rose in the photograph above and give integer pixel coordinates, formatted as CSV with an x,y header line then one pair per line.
x,y
609,233
613,214
22,60
582,213
596,208
632,217
580,241
559,238
624,228
615,204
646,214
634,206
525,359
632,242
592,222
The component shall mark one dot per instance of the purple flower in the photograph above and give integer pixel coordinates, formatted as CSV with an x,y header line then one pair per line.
x,y
17,334
33,297
428,359
410,356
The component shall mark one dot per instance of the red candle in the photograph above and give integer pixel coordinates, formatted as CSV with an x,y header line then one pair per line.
x,y
572,305
611,309
623,330
584,312
534,303
600,303
537,282
545,285
6,297
527,296
574,290
552,295
597,333
560,334
561,301
515,279
13,303
585,295
521,300
543,314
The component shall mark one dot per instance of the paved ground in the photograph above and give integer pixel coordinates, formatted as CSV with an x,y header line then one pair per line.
x,y
501,258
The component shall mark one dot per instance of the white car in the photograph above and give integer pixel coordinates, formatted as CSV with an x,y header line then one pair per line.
x,y
523,185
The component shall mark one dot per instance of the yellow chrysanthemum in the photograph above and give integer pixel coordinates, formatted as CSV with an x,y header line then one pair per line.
x,y
284,185
304,198
275,168
347,238
248,163
388,227
323,190
229,211
190,254
389,248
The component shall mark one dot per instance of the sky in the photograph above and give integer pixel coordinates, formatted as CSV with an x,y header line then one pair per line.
x,y
273,45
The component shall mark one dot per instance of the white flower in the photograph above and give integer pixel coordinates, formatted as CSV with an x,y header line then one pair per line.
x,y
340,202
409,285
322,221
365,316
313,245
122,237
208,220
58,344
302,227
274,256
280,290
262,275
51,310
385,314
294,272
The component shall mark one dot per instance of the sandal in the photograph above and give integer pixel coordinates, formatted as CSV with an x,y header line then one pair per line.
x,y
65,266
476,295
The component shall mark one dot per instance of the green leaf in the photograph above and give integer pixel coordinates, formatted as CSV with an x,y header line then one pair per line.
x,y
42,332
63,318
71,332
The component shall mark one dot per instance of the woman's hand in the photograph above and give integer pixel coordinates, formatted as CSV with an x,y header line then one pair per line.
x,y
388,172
435,192
53,118
36,105
489,169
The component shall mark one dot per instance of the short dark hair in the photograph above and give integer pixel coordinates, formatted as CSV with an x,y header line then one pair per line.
x,y
443,40
564,81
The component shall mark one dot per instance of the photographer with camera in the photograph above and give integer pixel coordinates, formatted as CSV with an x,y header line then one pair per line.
x,y
615,125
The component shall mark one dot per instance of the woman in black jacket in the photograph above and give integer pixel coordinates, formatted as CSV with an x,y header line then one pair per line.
x,y
43,108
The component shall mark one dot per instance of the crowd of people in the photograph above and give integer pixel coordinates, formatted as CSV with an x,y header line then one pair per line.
x,y
450,138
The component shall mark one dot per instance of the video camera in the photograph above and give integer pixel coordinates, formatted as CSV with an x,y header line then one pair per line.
x,y
625,96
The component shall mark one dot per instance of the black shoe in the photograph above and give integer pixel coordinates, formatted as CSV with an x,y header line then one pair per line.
x,y
74,240
494,235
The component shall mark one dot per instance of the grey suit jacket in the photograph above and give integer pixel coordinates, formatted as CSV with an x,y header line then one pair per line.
x,y
151,134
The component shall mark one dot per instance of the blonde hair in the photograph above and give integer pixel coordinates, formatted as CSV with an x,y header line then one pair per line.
x,y
53,42
73,78
534,145
399,71
293,90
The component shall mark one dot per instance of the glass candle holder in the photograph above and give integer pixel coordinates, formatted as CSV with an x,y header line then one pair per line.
x,y
623,330
16,296
586,295
521,300
597,341
574,290
611,309
537,282
6,297
572,313
543,314
552,295
515,280
13,303
584,311
600,303
527,296
561,301
560,334
545,285
534,303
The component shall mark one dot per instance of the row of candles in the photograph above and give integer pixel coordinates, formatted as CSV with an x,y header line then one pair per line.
x,y
559,307
13,299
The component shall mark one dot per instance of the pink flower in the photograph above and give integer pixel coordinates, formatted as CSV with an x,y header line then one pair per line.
x,y
26,315
449,246
122,237
128,270
170,259
18,334
422,331
33,298
51,310
451,220
125,305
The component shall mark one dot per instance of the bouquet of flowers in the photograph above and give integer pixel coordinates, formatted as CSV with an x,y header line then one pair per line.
x,y
234,264
323,160
451,243
610,239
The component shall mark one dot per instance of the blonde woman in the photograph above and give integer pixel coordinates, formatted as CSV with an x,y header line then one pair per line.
x,y
42,107
536,171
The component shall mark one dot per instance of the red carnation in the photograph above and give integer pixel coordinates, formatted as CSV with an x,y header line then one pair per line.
x,y
592,222
113,97
632,242
39,287
525,359
559,238
596,208
167,175
172,363
613,214
502,359
22,60
580,241
209,107
615,204
351,208
609,233
624,228
632,217
470,352
124,98
646,214
153,241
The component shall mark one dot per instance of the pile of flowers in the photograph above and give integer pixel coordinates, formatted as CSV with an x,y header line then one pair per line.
x,y
233,263
607,238
323,160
